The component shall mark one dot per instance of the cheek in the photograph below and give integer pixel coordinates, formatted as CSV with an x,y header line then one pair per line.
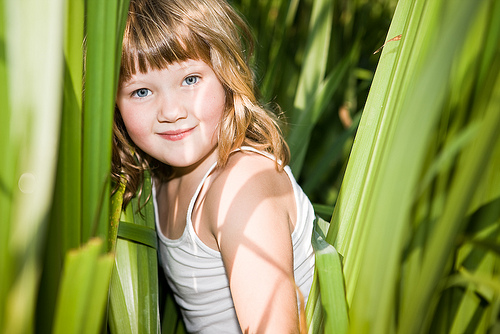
x,y
217,104
135,125
214,115
134,132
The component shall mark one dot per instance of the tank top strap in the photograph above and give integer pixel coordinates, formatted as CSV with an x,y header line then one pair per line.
x,y
197,192
253,149
210,170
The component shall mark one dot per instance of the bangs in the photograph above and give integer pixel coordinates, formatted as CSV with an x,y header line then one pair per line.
x,y
150,43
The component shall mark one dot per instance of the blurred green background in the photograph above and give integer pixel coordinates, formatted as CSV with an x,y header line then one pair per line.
x,y
338,43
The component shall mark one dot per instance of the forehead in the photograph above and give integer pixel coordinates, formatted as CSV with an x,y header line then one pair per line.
x,y
175,71
143,61
156,47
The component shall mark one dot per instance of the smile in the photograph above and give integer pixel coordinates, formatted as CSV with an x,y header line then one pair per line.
x,y
176,135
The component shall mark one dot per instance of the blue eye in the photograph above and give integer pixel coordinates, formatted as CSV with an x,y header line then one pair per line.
x,y
142,92
191,80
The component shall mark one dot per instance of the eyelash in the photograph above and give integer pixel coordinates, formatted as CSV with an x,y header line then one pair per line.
x,y
135,92
197,78
191,77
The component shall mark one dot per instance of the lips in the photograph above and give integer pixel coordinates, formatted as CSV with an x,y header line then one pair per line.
x,y
175,135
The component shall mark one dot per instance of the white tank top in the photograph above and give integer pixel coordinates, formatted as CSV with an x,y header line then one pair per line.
x,y
196,273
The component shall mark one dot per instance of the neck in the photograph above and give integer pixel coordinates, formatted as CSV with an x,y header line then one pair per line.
x,y
194,173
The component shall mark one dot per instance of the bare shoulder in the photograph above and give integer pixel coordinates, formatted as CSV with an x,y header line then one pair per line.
x,y
253,174
249,181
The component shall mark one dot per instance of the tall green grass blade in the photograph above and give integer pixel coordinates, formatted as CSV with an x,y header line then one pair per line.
x,y
68,182
487,189
31,82
316,105
314,309
311,77
103,31
472,101
64,230
5,116
83,291
276,45
98,295
471,169
147,263
314,68
329,282
415,128
468,308
123,292
7,170
385,249
346,227
115,213
134,304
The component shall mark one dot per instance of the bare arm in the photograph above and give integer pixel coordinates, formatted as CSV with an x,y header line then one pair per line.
x,y
254,217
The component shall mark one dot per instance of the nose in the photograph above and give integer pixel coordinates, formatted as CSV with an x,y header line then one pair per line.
x,y
171,109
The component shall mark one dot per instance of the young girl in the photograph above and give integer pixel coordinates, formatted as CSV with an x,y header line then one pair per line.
x,y
234,227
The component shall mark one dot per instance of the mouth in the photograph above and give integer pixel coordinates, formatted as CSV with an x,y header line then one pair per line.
x,y
176,135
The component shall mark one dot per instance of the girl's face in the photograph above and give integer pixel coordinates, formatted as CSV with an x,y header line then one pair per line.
x,y
174,114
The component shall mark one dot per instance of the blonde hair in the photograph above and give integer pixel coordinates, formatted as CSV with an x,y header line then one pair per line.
x,y
161,32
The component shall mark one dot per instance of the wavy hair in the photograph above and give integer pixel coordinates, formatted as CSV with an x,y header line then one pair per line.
x,y
161,32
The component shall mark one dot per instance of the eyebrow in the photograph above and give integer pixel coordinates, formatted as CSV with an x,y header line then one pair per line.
x,y
125,84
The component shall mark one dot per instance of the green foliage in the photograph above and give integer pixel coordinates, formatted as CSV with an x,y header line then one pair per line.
x,y
413,245
30,42
422,163
54,192
133,306
314,59
102,64
327,309
83,290
64,227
